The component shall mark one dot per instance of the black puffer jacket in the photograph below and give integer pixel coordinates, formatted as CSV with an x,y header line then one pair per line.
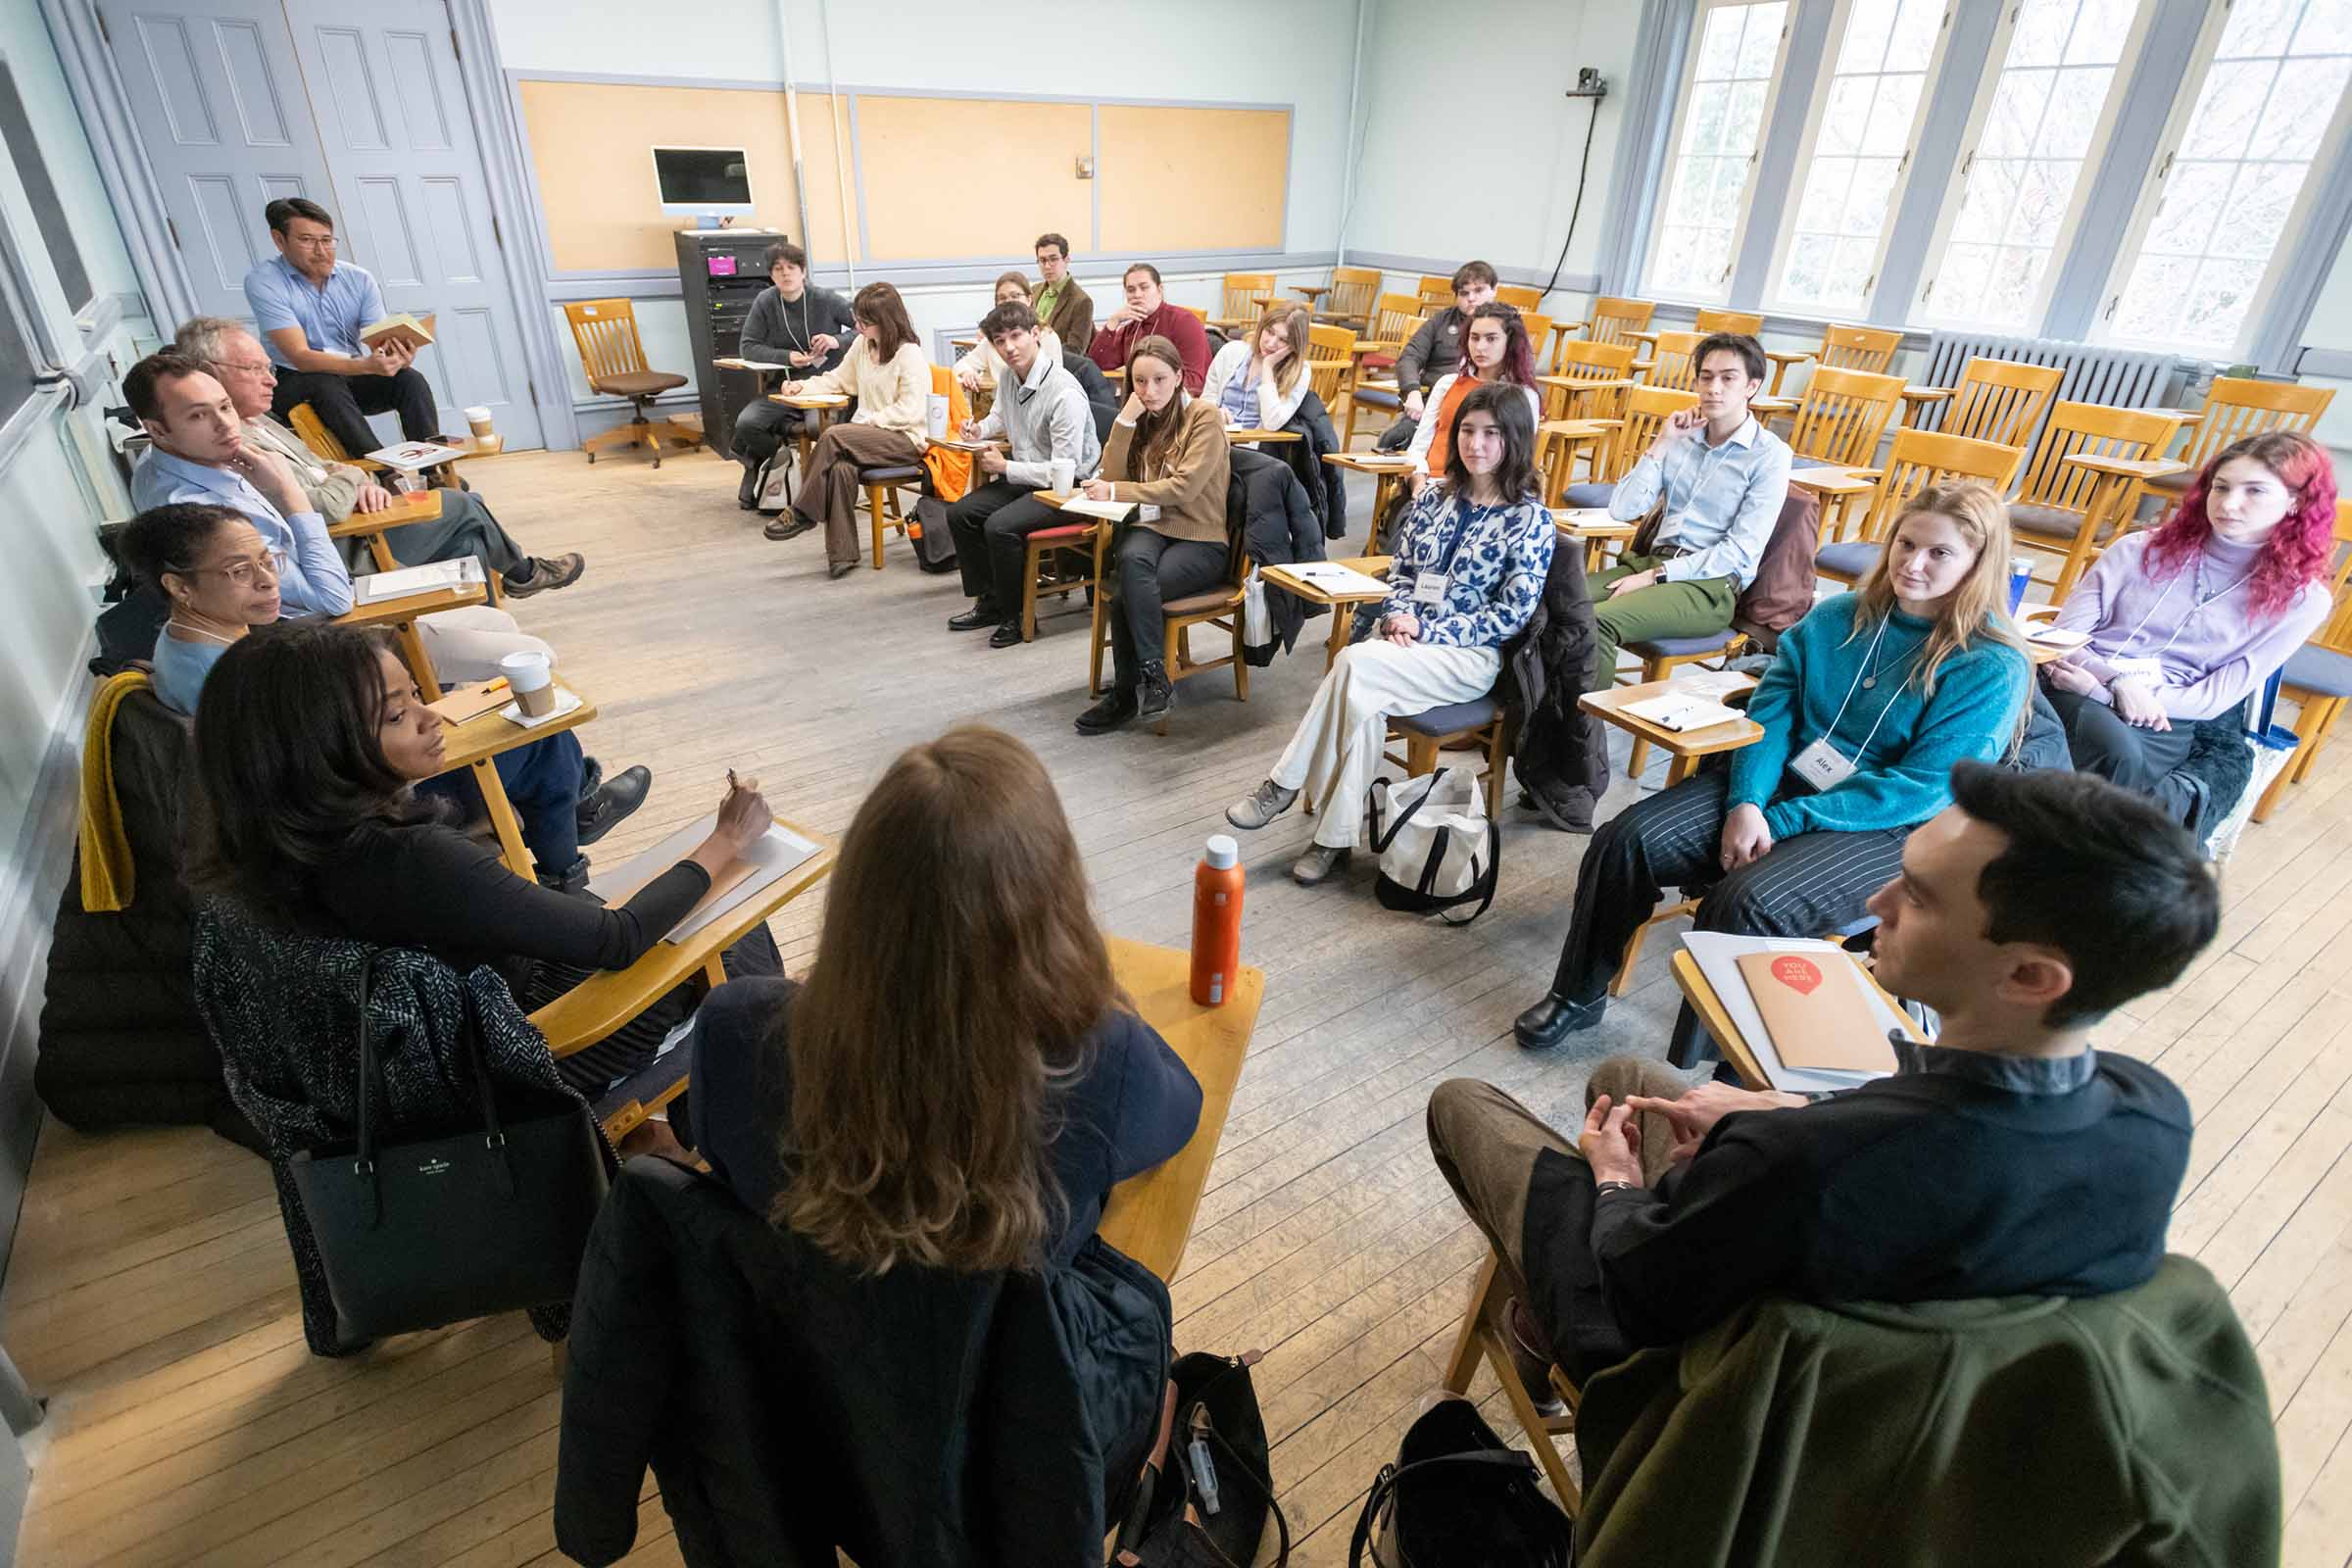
x,y
1278,526
1326,486
1562,753
121,1043
1101,398
789,1405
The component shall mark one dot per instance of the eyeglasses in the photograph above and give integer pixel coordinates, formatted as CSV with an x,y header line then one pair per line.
x,y
314,242
244,572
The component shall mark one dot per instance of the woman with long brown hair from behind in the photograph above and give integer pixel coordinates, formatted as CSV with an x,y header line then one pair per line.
x,y
957,1084
1167,453
886,371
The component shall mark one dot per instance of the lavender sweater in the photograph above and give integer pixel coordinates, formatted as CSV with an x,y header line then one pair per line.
x,y
2220,653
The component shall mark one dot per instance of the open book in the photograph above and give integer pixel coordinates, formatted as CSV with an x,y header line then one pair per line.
x,y
1107,510
409,457
398,328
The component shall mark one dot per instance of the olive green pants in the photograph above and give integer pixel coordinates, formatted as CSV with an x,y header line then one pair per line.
x,y
1662,609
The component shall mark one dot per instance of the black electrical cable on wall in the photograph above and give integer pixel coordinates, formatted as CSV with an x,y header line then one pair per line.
x,y
1584,169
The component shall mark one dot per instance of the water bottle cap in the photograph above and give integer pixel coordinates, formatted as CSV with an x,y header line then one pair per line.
x,y
1223,851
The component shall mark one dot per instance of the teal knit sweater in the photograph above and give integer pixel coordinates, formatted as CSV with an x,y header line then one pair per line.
x,y
1903,776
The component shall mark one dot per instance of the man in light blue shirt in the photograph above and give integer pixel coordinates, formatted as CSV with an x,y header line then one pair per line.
x,y
1723,478
310,309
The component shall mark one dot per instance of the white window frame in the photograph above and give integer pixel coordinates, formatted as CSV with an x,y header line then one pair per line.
x,y
1777,303
1674,148
2334,144
1920,313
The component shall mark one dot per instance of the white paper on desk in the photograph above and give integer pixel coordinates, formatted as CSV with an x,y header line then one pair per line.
x,y
2058,637
566,700
1382,460
1334,578
378,586
817,400
734,363
1107,510
1717,683
771,855
1718,958
1679,712
410,456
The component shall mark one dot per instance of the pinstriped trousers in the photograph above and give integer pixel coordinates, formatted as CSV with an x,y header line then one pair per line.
x,y
1808,886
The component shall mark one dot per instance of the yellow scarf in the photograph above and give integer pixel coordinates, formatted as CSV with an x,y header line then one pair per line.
x,y
107,880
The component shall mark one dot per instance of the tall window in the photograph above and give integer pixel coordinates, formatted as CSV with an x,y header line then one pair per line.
x,y
2225,188
2034,141
1726,90
1863,126
16,130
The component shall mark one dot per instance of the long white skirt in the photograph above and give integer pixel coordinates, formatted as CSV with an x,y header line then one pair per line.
x,y
1338,744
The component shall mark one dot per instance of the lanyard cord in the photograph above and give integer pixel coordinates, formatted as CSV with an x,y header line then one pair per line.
x,y
1870,666
2123,649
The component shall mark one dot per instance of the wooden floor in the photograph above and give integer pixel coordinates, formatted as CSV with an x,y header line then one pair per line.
x,y
151,1298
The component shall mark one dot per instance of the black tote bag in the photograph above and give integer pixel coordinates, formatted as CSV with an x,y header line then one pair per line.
x,y
462,1223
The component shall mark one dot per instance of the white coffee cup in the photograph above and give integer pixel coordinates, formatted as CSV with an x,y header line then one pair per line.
x,y
1066,476
935,417
533,681
479,420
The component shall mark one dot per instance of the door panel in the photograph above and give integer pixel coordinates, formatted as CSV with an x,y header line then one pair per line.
x,y
408,188
219,107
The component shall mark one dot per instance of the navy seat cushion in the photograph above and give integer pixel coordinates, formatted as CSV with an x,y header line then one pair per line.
x,y
2323,670
891,474
1586,494
1373,398
1684,647
1450,719
1852,557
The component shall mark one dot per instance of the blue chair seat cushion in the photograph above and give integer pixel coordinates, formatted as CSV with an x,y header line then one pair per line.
x,y
1714,642
1452,718
895,473
1851,558
1374,398
2323,671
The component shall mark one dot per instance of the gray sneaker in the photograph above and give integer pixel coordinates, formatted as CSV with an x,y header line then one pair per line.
x,y
1317,865
1260,806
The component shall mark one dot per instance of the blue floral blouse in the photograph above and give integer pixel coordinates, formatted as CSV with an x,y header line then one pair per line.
x,y
1499,557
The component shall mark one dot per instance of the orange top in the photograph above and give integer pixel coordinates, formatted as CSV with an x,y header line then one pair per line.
x,y
1440,444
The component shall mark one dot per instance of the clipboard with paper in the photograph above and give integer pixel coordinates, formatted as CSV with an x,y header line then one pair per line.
x,y
770,856
1718,958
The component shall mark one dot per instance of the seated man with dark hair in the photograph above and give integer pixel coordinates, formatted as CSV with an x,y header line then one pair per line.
x,y
2008,1159
1148,314
1435,351
792,322
1722,477
310,309
1062,308
1043,414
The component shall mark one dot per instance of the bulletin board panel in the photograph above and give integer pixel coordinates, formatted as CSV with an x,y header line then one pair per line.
x,y
1192,179
919,169
590,146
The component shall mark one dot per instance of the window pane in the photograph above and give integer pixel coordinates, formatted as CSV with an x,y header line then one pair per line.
x,y
1872,107
57,235
1723,119
2018,182
2230,187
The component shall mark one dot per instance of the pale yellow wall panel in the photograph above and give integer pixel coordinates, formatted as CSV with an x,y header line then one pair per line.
x,y
949,179
1192,179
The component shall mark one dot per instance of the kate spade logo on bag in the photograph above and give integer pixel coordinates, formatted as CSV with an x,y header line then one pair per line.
x,y
433,1167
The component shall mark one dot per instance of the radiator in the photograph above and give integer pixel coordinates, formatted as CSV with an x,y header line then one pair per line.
x,y
2120,378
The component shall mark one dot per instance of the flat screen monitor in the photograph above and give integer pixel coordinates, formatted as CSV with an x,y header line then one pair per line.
x,y
693,180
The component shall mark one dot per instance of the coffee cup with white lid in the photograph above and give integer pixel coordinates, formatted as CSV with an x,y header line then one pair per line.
x,y
532,680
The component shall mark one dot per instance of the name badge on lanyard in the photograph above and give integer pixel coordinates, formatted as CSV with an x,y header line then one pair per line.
x,y
1430,587
2146,666
1821,765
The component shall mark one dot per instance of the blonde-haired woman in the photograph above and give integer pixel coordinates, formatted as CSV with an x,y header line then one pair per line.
x,y
886,371
1257,382
1870,701
957,1084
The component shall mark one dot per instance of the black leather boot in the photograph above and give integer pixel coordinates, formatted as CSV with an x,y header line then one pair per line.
x,y
1154,694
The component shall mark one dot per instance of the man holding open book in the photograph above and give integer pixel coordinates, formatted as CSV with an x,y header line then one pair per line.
x,y
319,319
2007,1158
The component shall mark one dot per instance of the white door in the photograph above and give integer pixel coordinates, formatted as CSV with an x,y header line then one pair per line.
x,y
359,108
220,109
407,193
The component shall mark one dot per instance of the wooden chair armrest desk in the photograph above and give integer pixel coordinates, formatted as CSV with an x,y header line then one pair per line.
x,y
1150,1217
1918,399
2115,494
422,506
1342,612
402,614
601,1004
478,741
1313,291
1839,491
1385,476
1686,747
1246,436
1699,991
1780,361
1557,443
1595,537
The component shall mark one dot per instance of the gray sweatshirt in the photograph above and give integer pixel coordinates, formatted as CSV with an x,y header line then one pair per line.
x,y
777,329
